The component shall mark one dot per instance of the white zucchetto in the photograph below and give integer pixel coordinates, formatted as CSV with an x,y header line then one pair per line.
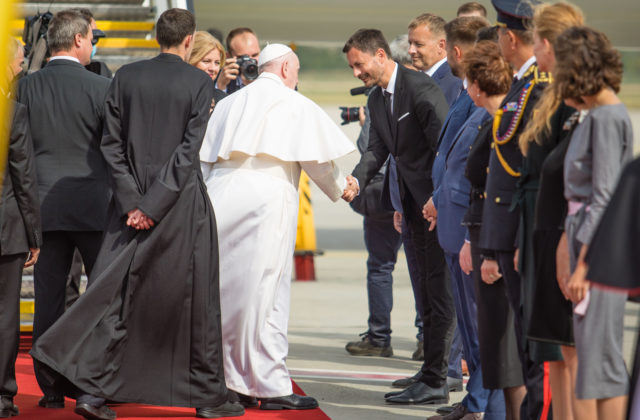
x,y
271,52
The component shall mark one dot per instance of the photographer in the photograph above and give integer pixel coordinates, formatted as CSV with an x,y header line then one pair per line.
x,y
243,49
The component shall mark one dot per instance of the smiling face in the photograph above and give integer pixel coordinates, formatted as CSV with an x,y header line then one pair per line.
x,y
210,63
367,67
425,48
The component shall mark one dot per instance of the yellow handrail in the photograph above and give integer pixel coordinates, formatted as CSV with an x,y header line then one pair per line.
x,y
6,14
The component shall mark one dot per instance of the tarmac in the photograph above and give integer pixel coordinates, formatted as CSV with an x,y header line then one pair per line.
x,y
331,311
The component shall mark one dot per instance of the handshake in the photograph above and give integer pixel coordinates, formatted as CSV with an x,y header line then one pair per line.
x,y
138,220
352,190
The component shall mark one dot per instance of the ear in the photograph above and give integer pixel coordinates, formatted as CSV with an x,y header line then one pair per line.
x,y
285,68
442,44
547,45
188,40
513,39
381,55
457,52
77,40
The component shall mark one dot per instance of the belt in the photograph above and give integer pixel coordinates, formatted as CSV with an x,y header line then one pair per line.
x,y
576,206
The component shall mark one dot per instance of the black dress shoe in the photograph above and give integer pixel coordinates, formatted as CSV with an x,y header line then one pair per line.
x,y
447,409
420,393
290,402
454,384
95,413
227,409
51,401
8,408
405,382
246,401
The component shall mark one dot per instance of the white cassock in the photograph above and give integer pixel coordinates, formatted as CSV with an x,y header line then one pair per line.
x,y
257,141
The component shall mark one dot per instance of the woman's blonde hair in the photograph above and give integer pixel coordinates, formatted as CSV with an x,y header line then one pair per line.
x,y
549,21
203,43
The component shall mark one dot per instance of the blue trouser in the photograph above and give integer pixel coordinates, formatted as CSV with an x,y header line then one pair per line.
x,y
478,399
382,242
455,356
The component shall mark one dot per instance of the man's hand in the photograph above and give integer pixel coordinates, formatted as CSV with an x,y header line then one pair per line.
x,y
361,116
397,221
490,271
465,258
34,253
516,259
139,221
563,270
352,189
229,72
430,214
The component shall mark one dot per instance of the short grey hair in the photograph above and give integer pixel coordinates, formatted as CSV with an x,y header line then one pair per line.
x,y
63,29
400,49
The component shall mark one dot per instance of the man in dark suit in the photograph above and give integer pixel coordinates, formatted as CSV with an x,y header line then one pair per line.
x,y
427,46
240,41
406,116
65,105
20,241
500,218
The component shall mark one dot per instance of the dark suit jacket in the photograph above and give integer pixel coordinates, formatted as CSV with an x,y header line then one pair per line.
x,y
500,218
454,191
451,85
65,103
419,108
19,206
459,112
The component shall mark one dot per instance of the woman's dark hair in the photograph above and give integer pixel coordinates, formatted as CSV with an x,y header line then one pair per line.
x,y
485,65
586,63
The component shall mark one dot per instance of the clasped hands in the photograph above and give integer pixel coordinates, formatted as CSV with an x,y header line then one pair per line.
x,y
352,190
138,220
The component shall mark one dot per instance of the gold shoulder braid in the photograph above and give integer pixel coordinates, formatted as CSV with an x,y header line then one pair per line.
x,y
499,140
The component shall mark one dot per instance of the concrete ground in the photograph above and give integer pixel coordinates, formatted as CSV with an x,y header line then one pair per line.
x,y
331,311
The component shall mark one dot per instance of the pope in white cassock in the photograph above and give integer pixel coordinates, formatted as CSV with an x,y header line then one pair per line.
x,y
257,141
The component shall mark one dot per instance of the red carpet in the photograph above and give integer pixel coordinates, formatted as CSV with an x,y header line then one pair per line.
x,y
29,394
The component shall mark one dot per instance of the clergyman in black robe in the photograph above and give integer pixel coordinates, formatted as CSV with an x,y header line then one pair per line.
x,y
147,330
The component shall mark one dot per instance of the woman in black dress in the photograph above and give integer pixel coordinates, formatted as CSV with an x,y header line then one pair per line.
x,y
546,312
489,79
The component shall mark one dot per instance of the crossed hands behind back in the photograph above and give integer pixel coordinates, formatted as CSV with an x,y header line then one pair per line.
x,y
138,220
352,190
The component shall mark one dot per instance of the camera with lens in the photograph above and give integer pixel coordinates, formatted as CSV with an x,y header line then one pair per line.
x,y
351,114
248,67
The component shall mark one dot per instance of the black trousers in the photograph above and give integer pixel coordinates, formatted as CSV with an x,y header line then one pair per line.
x,y
533,373
50,283
10,282
439,315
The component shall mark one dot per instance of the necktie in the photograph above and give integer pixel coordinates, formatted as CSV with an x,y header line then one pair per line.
x,y
387,104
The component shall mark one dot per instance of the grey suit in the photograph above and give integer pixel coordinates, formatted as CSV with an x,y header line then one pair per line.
x,y
19,231
65,103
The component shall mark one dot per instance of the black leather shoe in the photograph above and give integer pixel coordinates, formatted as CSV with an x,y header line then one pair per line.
x,y
245,400
447,409
420,393
227,409
366,347
51,401
95,413
290,402
405,382
454,384
8,408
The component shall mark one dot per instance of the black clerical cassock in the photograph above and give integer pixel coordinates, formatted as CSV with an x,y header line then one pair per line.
x,y
148,328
